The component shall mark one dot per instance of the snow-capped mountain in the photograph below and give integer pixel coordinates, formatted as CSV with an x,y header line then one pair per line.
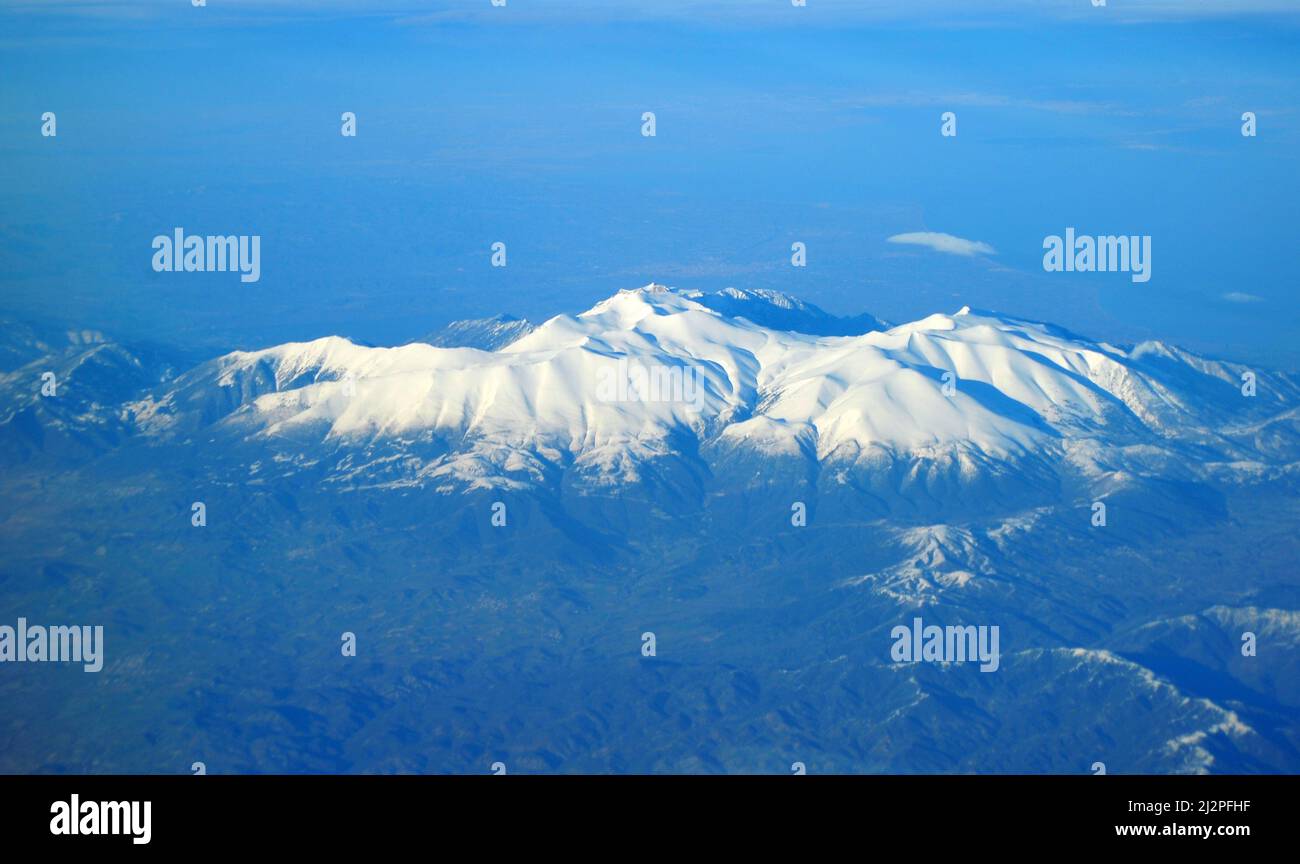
x,y
770,309
62,390
657,376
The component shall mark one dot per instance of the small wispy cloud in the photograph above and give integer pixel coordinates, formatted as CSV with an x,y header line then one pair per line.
x,y
946,243
1241,297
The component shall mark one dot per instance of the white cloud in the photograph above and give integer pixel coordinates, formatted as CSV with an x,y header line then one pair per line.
x,y
944,243
1241,297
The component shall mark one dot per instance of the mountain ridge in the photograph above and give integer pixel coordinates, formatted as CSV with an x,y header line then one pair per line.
x,y
964,388
957,400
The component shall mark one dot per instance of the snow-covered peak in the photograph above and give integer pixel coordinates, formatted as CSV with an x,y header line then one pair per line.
x,y
635,303
645,370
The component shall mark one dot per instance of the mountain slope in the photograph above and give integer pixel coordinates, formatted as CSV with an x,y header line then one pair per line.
x,y
778,311
485,334
62,391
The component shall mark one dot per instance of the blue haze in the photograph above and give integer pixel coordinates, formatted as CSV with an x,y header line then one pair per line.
x,y
816,125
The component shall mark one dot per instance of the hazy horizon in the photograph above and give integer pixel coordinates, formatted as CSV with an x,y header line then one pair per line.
x,y
522,124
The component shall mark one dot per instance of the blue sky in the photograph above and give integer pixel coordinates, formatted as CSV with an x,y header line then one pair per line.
x,y
775,124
